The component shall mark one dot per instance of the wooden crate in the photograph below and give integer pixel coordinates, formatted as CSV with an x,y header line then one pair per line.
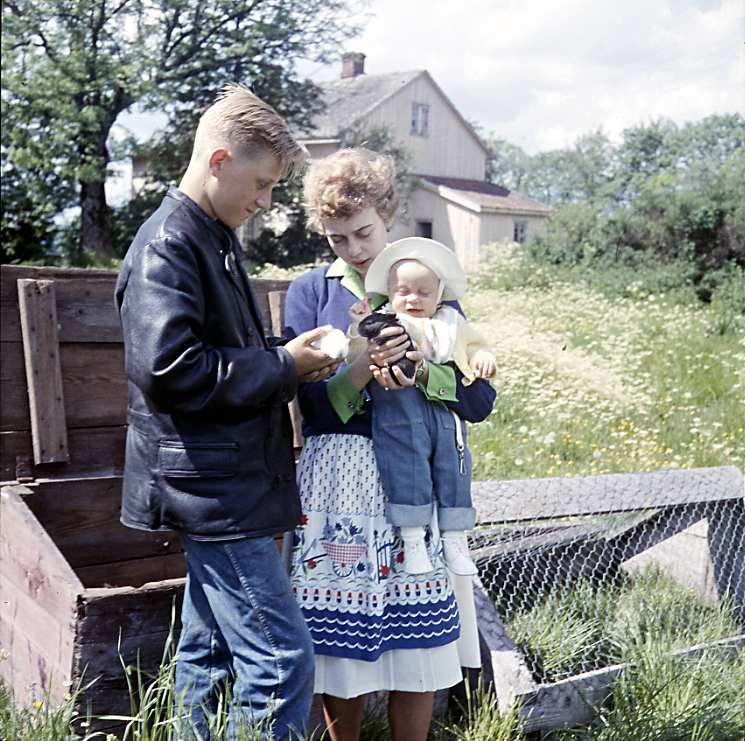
x,y
80,593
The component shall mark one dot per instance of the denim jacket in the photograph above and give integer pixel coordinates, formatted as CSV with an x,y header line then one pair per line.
x,y
209,446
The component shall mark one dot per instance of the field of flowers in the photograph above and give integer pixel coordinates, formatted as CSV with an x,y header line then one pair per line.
x,y
589,384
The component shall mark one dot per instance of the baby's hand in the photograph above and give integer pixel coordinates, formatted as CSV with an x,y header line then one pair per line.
x,y
359,311
484,365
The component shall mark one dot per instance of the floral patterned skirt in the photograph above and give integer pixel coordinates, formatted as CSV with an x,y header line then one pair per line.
x,y
348,577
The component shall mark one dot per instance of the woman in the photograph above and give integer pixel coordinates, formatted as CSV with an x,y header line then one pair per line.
x,y
374,626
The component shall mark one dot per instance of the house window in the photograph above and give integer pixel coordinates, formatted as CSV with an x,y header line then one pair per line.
x,y
419,119
423,229
520,231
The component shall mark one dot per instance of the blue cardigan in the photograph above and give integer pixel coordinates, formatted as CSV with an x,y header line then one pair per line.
x,y
324,296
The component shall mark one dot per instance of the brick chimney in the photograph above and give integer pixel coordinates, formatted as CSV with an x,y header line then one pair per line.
x,y
353,64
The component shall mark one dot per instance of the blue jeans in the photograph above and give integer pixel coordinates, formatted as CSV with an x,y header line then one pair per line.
x,y
416,451
242,630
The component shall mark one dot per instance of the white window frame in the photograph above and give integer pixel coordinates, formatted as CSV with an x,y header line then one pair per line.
x,y
419,119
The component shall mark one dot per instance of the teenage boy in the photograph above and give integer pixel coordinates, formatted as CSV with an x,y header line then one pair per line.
x,y
209,450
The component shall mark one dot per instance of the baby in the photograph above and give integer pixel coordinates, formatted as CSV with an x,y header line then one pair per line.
x,y
420,444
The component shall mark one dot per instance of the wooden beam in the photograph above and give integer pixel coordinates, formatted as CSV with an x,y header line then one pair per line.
x,y
38,593
528,499
512,678
570,701
38,309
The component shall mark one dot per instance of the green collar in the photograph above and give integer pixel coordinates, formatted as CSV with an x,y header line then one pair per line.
x,y
352,281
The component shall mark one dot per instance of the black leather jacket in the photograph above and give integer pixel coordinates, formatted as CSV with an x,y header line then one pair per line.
x,y
209,440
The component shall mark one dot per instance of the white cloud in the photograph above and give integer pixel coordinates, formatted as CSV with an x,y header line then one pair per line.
x,y
541,73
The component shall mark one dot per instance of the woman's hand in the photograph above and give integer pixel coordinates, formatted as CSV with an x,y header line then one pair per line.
x,y
384,357
393,348
392,377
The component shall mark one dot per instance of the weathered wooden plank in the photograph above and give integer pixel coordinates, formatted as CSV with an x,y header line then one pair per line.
x,y
14,413
566,703
38,311
85,302
82,518
30,558
104,613
93,381
39,596
94,451
40,644
99,282
527,499
134,573
512,678
119,627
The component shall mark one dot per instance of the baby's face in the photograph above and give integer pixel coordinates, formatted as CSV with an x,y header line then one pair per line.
x,y
413,289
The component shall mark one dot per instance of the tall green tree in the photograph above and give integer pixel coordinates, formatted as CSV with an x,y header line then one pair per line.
x,y
71,67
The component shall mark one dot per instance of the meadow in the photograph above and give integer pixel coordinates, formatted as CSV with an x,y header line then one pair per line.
x,y
605,374
600,371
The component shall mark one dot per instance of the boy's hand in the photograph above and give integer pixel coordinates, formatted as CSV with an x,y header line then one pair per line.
x,y
484,365
311,364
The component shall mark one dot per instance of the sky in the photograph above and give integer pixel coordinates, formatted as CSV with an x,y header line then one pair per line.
x,y
542,73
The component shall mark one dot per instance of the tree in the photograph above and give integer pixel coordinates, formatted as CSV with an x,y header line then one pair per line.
x,y
508,166
70,67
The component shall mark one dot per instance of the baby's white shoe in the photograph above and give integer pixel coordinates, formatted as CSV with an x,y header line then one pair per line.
x,y
416,558
455,553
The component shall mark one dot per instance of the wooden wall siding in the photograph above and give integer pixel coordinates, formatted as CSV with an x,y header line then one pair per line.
x,y
91,372
496,227
449,148
76,586
452,225
458,227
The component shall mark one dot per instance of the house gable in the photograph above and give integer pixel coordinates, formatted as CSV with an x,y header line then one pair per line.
x,y
444,141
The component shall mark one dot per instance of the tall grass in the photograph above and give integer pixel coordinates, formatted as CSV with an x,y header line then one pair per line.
x,y
43,720
600,374
579,626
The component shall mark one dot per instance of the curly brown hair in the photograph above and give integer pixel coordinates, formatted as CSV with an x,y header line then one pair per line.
x,y
348,181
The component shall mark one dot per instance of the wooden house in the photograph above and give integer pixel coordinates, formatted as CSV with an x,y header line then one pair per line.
x,y
452,202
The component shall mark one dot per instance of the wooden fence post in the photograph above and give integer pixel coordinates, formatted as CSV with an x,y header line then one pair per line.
x,y
37,302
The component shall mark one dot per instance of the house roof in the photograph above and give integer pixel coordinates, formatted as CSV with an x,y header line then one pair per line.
x,y
350,99
478,195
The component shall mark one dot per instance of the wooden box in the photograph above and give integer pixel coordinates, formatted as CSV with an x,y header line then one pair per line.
x,y
80,593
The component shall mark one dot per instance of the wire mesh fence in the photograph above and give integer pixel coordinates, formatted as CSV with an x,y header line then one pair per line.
x,y
581,570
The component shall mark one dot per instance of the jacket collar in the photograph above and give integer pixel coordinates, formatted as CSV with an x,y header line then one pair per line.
x,y
352,281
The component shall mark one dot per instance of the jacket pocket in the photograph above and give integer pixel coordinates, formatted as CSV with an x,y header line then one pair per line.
x,y
197,460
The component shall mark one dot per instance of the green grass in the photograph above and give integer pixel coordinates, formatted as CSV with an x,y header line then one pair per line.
x,y
579,626
42,720
600,372
593,380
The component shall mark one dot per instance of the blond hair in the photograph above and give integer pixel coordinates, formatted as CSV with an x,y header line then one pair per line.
x,y
347,182
241,120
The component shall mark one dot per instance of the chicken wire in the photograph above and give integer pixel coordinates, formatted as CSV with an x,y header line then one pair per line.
x,y
578,568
